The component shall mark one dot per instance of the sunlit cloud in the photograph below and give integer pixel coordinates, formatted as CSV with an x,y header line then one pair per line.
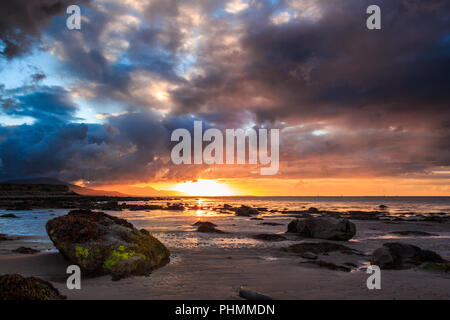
x,y
235,6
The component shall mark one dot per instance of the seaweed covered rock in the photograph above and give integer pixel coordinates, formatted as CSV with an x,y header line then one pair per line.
x,y
102,244
323,228
402,256
16,287
9,215
25,250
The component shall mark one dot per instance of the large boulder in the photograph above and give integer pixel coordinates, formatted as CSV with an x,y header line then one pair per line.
x,y
102,244
16,287
323,228
402,256
245,211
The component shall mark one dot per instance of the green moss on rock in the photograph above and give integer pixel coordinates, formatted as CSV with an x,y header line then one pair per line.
x,y
117,255
442,267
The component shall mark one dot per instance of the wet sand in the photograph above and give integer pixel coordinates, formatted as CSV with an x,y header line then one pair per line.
x,y
214,272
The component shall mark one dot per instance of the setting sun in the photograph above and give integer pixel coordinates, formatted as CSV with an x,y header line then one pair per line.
x,y
204,188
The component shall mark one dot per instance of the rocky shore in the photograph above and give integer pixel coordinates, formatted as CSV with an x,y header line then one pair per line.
x,y
215,249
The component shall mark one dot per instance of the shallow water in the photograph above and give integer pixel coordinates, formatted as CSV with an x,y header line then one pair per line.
x,y
174,228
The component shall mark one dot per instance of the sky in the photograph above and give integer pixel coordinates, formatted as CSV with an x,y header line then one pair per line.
x,y
360,112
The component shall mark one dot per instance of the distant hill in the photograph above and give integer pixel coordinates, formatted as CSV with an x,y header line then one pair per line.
x,y
77,189
130,191
38,189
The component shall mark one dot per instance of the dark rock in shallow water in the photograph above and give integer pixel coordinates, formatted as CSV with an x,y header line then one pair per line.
x,y
402,256
3,237
102,244
323,228
9,215
110,205
252,295
309,255
313,210
259,219
204,223
271,224
205,226
245,211
174,207
328,265
413,233
17,287
26,250
320,248
269,237
382,207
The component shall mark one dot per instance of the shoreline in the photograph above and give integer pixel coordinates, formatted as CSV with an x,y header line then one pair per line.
x,y
217,273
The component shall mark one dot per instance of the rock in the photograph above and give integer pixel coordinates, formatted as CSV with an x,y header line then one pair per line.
x,y
414,233
441,267
252,295
3,237
102,244
382,207
323,228
313,210
9,215
227,207
320,248
269,237
17,287
328,265
362,215
309,255
110,205
245,211
205,226
174,207
26,250
402,256
258,219
199,223
271,224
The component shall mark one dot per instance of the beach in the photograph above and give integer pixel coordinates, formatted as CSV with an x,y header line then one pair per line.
x,y
215,265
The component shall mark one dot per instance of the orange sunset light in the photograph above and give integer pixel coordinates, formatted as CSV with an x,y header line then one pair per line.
x,y
204,188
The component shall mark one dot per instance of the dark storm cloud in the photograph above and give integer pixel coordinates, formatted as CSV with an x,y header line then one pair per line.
x,y
351,102
383,94
127,148
21,22
44,104
335,66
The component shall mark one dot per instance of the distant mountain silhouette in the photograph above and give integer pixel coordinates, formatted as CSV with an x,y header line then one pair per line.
x,y
131,191
77,189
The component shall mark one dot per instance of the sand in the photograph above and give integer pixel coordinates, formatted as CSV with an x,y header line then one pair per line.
x,y
217,273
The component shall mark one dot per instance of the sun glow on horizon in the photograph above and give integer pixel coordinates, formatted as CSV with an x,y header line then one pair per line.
x,y
204,188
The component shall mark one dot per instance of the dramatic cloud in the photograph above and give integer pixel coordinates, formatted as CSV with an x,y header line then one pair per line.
x,y
350,102
22,21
